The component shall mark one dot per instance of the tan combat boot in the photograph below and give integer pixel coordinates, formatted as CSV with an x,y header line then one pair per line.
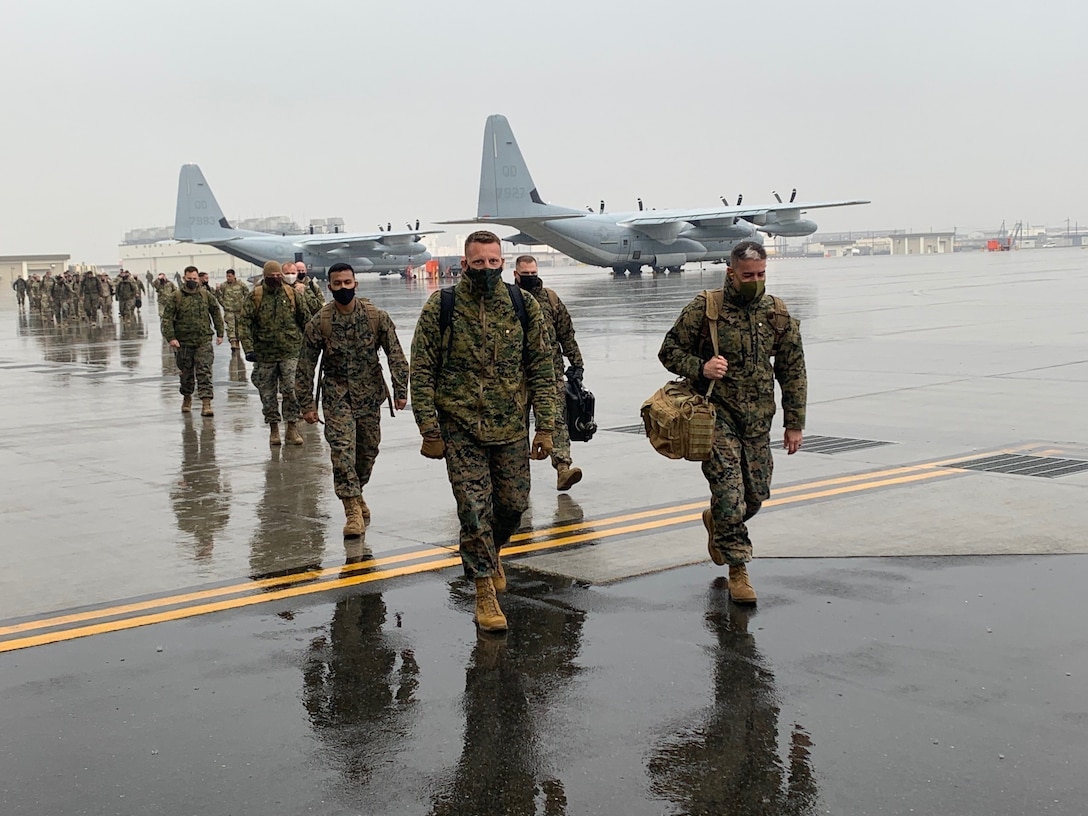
x,y
206,406
489,616
498,580
567,477
273,434
740,588
708,522
293,436
364,510
186,403
354,525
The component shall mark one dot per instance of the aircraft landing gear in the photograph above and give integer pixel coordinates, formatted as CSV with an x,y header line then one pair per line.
x,y
660,270
619,271
634,269
675,269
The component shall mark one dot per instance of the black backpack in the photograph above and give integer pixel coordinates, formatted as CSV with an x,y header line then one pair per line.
x,y
580,407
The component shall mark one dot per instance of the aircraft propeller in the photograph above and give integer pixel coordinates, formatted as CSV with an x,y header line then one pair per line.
x,y
602,206
640,205
793,196
380,228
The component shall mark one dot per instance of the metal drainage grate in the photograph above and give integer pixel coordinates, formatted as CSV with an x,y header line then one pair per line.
x,y
1045,467
631,429
838,444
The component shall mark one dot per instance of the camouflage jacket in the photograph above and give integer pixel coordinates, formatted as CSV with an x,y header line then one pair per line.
x,y
483,384
274,330
88,286
126,288
314,298
352,372
560,331
163,287
746,339
35,288
188,316
232,295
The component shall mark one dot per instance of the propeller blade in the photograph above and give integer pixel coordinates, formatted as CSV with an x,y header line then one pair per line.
x,y
740,198
793,195
777,197
640,205
602,205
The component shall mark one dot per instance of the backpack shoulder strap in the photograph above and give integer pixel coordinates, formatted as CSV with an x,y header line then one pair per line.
x,y
780,318
553,299
372,318
518,303
258,294
326,321
713,303
445,319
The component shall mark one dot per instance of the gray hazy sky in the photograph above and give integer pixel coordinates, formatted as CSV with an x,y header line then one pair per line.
x,y
943,113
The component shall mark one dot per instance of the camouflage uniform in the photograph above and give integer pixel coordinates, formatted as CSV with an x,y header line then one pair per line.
x,y
186,317
105,296
163,289
127,292
48,282
315,298
88,291
353,387
739,470
561,339
274,332
477,395
231,297
34,289
19,285
62,296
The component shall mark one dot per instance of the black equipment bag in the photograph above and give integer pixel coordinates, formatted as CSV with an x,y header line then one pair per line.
x,y
580,408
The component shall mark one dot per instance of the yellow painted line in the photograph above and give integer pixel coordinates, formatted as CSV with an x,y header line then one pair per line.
x,y
425,566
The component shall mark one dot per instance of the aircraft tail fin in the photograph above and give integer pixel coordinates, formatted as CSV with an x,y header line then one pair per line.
x,y
506,186
198,217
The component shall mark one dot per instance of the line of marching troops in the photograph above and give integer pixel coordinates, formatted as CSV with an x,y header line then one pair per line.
x,y
71,297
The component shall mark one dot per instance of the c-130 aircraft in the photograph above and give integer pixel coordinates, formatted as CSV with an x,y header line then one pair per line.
x,y
200,220
626,242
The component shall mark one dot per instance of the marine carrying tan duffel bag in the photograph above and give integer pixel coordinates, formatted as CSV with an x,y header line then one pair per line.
x,y
679,421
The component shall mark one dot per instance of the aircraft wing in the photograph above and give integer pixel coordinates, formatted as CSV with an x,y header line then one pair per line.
x,y
725,215
361,241
514,221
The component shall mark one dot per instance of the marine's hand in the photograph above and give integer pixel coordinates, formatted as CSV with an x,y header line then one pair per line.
x,y
175,344
542,445
574,373
400,404
433,447
219,341
310,417
792,440
715,368
251,356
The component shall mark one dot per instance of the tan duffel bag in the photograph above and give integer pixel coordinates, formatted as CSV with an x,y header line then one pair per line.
x,y
679,421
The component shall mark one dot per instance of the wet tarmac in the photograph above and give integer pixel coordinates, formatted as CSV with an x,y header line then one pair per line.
x,y
182,629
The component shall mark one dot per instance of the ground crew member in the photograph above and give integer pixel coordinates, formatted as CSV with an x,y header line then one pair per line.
x,y
270,331
19,285
231,295
350,330
127,291
472,382
561,339
189,314
757,343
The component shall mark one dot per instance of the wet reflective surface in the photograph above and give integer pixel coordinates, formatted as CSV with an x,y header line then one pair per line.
x,y
281,669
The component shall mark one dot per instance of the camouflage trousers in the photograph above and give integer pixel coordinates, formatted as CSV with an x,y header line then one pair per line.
x,y
739,474
560,435
105,303
90,308
230,321
161,306
353,437
195,365
127,308
272,381
491,487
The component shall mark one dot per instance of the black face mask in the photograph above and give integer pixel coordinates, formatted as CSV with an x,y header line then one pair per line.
x,y
343,295
530,283
191,284
272,282
484,280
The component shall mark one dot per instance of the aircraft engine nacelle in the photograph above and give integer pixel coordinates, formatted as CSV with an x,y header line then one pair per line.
x,y
790,229
396,250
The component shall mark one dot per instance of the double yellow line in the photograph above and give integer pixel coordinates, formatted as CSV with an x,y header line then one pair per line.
x,y
59,628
